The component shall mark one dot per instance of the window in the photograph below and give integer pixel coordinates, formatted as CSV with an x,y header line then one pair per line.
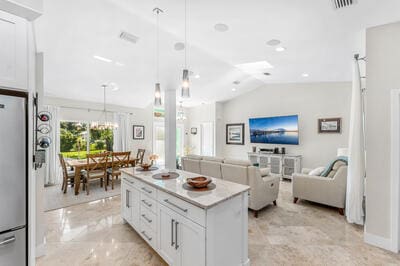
x,y
75,142
207,139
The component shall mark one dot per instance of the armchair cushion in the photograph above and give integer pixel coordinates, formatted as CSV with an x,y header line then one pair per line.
x,y
317,171
265,171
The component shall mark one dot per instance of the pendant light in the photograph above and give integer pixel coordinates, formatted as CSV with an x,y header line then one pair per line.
x,y
157,93
104,124
185,92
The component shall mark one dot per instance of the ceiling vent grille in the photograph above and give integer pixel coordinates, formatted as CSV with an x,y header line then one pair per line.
x,y
343,3
128,37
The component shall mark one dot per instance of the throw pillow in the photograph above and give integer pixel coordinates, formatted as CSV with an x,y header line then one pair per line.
x,y
265,172
317,171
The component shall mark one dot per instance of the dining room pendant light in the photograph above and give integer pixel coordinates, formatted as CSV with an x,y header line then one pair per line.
x,y
157,92
185,92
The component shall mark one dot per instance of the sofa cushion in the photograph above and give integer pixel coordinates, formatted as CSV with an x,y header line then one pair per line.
x,y
317,171
213,159
210,168
194,157
238,162
265,172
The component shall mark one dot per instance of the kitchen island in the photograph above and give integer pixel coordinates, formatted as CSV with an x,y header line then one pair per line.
x,y
187,227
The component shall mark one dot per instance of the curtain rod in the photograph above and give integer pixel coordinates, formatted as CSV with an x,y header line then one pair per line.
x,y
89,109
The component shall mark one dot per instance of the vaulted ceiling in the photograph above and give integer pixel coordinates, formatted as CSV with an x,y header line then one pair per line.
x,y
319,40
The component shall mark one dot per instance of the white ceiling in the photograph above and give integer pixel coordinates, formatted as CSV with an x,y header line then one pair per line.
x,y
319,40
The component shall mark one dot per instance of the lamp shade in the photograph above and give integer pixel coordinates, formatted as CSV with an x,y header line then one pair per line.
x,y
157,95
185,93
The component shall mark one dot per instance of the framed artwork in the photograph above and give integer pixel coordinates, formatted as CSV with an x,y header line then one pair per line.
x,y
235,134
138,132
330,125
193,130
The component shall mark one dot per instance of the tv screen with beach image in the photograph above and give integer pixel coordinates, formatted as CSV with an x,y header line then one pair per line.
x,y
275,130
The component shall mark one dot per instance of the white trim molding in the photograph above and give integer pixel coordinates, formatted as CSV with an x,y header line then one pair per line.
x,y
378,241
395,170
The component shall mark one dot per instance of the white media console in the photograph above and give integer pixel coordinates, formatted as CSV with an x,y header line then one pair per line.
x,y
283,165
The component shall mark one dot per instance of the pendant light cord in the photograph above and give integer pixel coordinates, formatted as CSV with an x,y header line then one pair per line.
x,y
185,34
158,48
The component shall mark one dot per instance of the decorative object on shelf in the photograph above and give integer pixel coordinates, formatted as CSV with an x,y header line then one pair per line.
x,y
180,114
103,123
254,148
138,132
330,125
193,130
185,92
235,134
199,181
42,129
167,175
146,166
283,150
153,158
44,116
157,93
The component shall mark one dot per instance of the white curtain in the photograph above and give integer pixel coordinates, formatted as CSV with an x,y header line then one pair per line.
x,y
53,172
121,133
356,168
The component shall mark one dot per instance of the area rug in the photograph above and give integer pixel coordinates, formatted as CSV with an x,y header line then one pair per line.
x,y
56,199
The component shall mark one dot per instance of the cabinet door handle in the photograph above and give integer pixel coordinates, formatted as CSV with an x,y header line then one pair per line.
x,y
148,238
147,204
129,181
172,232
147,219
127,198
146,190
176,235
7,241
176,206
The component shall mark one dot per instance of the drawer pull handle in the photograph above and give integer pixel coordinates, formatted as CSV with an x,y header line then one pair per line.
x,y
146,190
130,181
147,204
148,238
176,206
172,233
176,235
147,219
7,241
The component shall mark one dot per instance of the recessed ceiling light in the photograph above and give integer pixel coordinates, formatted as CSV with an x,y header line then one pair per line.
x,y
267,74
102,58
233,89
280,49
197,76
179,46
273,42
236,82
305,75
119,64
221,27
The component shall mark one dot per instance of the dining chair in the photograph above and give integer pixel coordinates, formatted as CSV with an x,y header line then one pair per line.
x,y
140,155
96,168
68,175
118,160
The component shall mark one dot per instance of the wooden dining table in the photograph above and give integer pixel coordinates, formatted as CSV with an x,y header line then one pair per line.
x,y
82,164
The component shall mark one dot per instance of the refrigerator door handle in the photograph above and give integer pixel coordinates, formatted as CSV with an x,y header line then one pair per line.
x,y
7,241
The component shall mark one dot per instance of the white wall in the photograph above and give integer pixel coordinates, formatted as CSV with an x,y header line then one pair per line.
x,y
309,101
383,69
137,116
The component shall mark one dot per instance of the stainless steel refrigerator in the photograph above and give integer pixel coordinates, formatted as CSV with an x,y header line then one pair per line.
x,y
13,178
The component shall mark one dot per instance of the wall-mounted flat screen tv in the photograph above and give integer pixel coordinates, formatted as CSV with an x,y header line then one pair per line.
x,y
275,130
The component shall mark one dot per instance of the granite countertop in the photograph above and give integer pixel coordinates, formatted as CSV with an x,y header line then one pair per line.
x,y
224,190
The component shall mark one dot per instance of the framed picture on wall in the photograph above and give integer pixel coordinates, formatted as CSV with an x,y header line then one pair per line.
x,y
235,134
193,130
138,132
330,125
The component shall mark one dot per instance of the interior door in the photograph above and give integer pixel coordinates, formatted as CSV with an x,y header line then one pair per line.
x,y
191,243
167,235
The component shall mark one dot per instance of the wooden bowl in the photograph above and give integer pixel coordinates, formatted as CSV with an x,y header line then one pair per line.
x,y
165,175
146,166
199,181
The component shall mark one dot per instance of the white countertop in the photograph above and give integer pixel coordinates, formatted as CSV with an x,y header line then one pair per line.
x,y
204,199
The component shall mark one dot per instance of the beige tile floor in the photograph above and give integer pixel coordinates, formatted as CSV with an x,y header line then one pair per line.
x,y
289,234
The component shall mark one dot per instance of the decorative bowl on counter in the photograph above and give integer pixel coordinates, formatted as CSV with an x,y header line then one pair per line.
x,y
145,166
199,181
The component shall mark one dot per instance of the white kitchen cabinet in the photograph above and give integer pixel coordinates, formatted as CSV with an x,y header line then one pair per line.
x,y
130,203
166,228
13,52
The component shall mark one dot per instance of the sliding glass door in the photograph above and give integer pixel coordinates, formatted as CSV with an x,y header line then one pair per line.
x,y
159,141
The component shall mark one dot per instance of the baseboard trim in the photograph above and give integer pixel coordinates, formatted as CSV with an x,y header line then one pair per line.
x,y
40,250
378,241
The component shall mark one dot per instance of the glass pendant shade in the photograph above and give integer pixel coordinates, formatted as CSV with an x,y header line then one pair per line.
x,y
157,95
185,93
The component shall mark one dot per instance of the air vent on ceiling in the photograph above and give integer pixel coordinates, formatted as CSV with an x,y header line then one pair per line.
x,y
343,3
128,37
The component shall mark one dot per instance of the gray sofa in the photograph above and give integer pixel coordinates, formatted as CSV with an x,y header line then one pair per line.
x,y
330,190
264,188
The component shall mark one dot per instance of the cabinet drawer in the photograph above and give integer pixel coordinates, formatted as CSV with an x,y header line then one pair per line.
x,y
131,181
148,234
147,202
148,218
148,190
182,207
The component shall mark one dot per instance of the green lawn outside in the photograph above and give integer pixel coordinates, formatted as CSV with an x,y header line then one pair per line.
x,y
78,155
